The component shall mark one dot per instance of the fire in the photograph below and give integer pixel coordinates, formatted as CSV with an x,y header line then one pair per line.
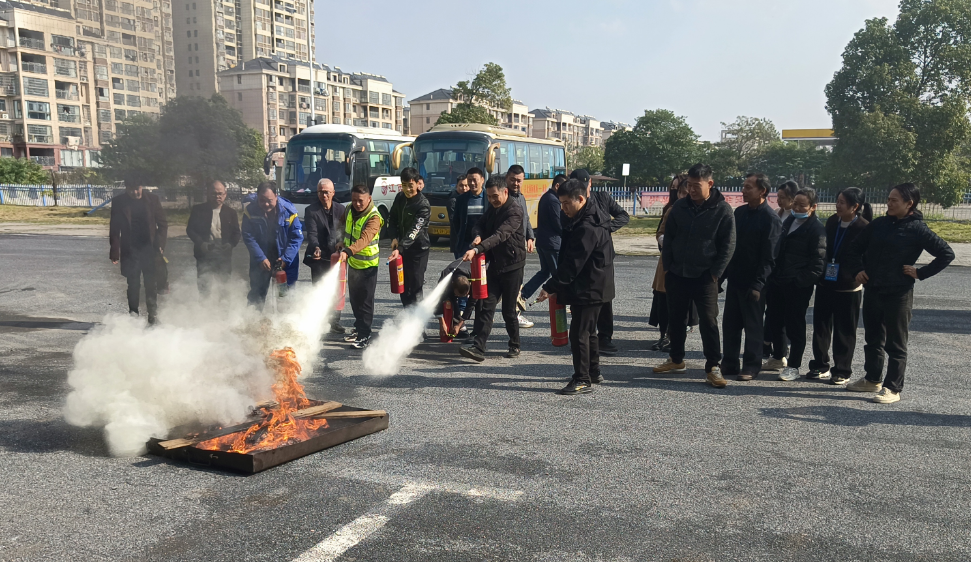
x,y
278,427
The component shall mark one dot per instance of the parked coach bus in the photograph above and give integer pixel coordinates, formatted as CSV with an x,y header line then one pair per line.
x,y
347,156
448,151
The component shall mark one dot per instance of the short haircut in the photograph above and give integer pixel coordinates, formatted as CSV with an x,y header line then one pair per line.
x,y
560,179
360,189
810,195
133,181
515,170
475,171
789,188
411,175
762,182
496,181
700,172
266,186
213,184
574,189
461,179
461,285
909,192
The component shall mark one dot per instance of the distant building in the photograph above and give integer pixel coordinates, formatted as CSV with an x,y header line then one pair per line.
x,y
573,130
611,127
821,138
425,110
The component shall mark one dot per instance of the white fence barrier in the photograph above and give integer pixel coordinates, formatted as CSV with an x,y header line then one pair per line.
x,y
67,195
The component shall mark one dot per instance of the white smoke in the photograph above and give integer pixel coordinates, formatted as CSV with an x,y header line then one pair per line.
x,y
204,362
400,335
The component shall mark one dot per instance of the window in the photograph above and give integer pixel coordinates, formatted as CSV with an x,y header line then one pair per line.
x,y
38,110
428,107
119,99
104,137
133,85
134,101
239,78
104,116
118,83
239,96
103,94
427,120
120,115
117,68
71,158
385,99
39,133
17,113
36,87
100,72
69,114
374,112
69,132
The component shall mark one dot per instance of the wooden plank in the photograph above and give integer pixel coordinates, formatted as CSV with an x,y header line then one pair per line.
x,y
355,414
317,410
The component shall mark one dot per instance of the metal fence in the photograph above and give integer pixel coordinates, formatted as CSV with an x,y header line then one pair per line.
x,y
98,195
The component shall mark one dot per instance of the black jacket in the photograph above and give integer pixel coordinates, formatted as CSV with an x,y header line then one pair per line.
x,y
585,267
503,239
699,238
199,230
549,227
887,244
845,279
120,236
461,223
527,227
408,223
324,230
757,234
802,254
616,215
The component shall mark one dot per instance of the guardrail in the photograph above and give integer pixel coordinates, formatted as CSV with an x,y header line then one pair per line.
x,y
100,195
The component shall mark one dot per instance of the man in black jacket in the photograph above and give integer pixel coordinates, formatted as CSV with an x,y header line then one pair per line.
x,y
408,229
499,235
548,230
584,279
699,240
137,234
324,232
469,206
213,228
757,232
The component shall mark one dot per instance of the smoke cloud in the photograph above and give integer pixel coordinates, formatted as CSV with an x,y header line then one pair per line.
x,y
400,335
204,362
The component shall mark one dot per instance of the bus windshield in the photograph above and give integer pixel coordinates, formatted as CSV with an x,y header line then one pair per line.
x,y
441,161
313,158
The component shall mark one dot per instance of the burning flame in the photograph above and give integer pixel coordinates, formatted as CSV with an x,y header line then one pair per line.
x,y
278,427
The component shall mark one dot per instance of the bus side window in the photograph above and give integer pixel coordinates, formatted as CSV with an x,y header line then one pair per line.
x,y
380,164
504,150
547,161
560,166
535,167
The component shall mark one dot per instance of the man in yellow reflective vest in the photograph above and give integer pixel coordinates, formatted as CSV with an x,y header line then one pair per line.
x,y
362,228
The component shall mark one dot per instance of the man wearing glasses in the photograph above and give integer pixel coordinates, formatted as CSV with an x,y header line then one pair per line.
x,y
324,230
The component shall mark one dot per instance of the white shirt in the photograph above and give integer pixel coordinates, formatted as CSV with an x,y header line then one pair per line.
x,y
796,224
217,227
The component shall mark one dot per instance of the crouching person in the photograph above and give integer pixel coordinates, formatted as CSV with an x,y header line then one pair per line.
x,y
584,279
459,297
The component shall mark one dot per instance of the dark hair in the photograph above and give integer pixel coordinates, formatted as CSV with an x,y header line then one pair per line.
x,y
909,192
559,179
410,175
266,186
475,171
461,178
361,189
789,188
855,197
461,285
762,182
679,182
810,194
133,181
515,170
574,189
496,181
700,172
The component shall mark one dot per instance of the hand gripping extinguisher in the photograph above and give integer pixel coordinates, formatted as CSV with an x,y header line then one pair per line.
x,y
397,269
447,316
480,286
280,277
335,261
558,328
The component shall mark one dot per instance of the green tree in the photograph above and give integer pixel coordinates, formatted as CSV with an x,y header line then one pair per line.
x,y
660,144
136,150
22,171
900,102
590,158
487,90
783,161
747,137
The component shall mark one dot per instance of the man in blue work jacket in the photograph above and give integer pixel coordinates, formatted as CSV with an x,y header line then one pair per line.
x,y
272,234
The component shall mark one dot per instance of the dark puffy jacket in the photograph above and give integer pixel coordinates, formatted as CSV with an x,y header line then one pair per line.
x,y
549,221
585,267
845,279
802,253
699,238
757,234
503,239
408,222
887,244
617,217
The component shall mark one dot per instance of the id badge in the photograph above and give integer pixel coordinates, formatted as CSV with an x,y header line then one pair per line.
x,y
832,270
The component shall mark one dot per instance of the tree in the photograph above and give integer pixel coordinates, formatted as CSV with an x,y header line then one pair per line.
x,y
783,161
900,102
487,90
590,158
22,171
661,144
747,137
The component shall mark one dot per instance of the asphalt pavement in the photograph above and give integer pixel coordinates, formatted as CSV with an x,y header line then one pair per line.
x,y
485,461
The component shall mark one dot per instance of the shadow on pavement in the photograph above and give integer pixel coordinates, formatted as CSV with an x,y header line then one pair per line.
x,y
853,417
51,436
941,321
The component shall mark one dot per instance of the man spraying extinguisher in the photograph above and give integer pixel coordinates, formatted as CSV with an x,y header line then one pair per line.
x,y
459,300
584,279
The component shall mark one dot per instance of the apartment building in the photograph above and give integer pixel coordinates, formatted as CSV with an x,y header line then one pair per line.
x,y
70,73
572,129
281,97
217,35
425,110
611,127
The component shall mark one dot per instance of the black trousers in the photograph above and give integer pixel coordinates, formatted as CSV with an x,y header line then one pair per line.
x,y
703,291
886,323
742,314
659,313
217,268
361,285
583,341
414,265
787,312
836,316
317,272
503,286
141,268
605,322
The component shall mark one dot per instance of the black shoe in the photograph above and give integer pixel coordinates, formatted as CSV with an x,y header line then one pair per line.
x,y
337,329
463,334
666,348
512,353
661,342
351,337
576,387
607,347
816,374
362,343
472,352
469,340
152,320
597,378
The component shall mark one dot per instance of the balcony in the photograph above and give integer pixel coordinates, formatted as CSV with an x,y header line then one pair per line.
x,y
41,139
35,67
32,43
45,160
69,117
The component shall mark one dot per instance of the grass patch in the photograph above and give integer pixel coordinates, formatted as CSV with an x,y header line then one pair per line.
x,y
73,215
956,232
640,226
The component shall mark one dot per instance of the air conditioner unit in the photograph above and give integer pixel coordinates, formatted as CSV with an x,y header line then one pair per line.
x,y
73,141
4,116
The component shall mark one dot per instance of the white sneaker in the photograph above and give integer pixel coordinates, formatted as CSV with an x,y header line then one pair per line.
x,y
789,374
773,366
886,396
524,322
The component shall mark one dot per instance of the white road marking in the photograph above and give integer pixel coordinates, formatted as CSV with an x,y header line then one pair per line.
x,y
467,490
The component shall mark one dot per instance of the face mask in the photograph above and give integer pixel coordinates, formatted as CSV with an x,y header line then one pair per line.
x,y
800,215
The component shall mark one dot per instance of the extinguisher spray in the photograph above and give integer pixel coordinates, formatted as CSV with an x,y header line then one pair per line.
x,y
480,286
447,316
558,327
335,261
280,277
397,271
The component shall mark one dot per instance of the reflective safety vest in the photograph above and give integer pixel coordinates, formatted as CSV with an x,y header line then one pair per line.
x,y
368,256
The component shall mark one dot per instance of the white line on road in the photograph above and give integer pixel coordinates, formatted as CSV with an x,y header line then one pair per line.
x,y
349,535
467,490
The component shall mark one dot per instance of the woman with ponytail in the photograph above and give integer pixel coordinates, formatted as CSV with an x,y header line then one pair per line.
x,y
836,313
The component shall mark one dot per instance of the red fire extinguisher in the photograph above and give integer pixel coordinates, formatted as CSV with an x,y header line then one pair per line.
x,y
447,315
558,328
280,277
480,286
335,261
397,275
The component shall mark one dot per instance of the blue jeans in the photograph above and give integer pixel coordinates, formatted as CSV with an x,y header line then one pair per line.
x,y
547,267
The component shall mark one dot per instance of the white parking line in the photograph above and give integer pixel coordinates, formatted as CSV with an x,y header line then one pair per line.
x,y
349,535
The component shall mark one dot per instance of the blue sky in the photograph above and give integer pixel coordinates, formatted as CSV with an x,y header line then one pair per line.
x,y
708,60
